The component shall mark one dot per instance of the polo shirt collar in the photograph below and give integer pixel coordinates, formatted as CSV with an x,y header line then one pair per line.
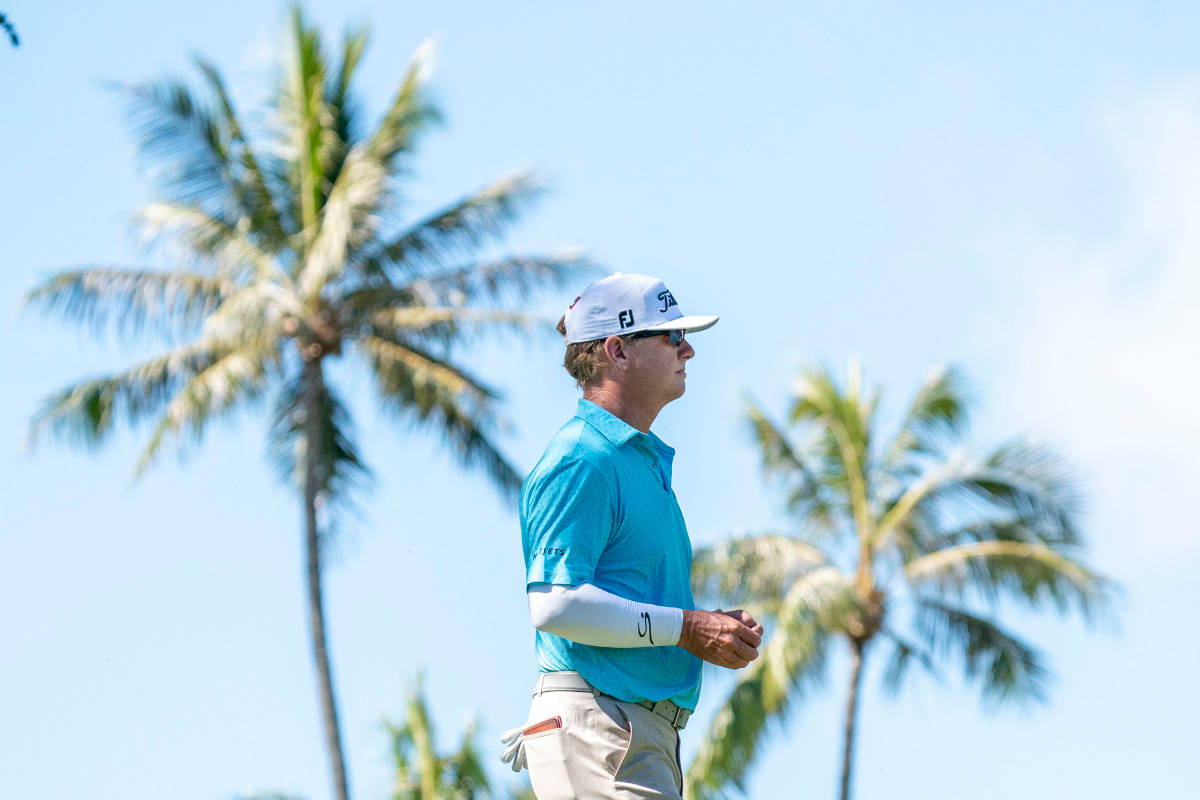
x,y
610,426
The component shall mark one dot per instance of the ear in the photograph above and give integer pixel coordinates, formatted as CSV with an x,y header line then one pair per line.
x,y
616,352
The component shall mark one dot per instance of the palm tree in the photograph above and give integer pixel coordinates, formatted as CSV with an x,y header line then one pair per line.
x,y
422,774
900,543
293,252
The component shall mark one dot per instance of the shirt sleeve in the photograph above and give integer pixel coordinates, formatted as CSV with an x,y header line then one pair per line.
x,y
569,520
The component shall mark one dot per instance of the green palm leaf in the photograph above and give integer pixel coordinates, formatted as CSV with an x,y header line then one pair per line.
x,y
789,665
454,231
752,572
434,393
1006,668
130,299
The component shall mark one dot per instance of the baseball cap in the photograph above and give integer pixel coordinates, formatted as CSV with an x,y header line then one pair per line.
x,y
622,303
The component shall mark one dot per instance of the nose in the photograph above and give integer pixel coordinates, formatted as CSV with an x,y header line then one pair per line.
x,y
686,350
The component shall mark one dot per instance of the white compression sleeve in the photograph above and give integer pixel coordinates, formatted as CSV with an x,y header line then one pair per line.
x,y
589,615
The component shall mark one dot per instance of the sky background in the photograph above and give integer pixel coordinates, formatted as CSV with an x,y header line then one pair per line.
x,y
1013,188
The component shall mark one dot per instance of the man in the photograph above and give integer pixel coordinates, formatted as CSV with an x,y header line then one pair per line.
x,y
608,561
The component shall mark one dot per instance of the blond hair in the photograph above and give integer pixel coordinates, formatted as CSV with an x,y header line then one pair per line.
x,y
583,360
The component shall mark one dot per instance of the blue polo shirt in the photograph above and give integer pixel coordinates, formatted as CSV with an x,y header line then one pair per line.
x,y
598,508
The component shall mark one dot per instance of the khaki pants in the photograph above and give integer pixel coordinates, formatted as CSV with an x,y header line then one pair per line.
x,y
606,748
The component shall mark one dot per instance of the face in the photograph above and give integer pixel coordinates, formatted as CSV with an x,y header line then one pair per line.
x,y
657,368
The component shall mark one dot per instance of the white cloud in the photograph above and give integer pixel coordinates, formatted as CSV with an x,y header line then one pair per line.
x,y
1107,355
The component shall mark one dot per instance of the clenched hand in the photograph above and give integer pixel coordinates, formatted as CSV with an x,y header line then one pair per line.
x,y
725,638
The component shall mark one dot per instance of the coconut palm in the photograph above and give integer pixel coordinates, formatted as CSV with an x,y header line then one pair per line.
x,y
294,250
909,545
422,774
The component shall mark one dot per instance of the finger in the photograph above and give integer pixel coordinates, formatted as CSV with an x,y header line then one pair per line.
x,y
750,636
744,650
748,619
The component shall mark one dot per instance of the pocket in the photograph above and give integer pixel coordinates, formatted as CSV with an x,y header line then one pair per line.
x,y
546,752
615,728
543,728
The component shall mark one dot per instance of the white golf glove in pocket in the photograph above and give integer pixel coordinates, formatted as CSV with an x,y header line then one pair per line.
x,y
515,752
515,739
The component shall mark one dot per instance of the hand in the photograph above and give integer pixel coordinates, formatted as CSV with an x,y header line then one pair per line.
x,y
725,638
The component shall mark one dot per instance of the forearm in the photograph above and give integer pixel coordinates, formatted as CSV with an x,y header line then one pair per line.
x,y
590,615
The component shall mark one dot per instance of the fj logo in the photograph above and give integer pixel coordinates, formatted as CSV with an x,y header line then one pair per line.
x,y
626,318
667,299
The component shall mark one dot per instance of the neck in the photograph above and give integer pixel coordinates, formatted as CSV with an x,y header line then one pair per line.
x,y
637,412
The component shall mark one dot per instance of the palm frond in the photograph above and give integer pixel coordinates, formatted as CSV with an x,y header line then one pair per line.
x,y
1032,571
507,280
904,652
339,98
211,239
87,412
438,395
1007,669
466,777
418,768
253,312
340,468
129,299
937,415
408,114
307,142
448,326
233,379
455,231
811,498
752,572
183,143
250,186
791,662
1018,482
844,421
346,220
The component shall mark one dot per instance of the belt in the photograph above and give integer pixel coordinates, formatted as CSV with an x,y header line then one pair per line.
x,y
574,682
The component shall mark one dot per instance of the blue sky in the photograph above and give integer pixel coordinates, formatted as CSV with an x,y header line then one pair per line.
x,y
1014,189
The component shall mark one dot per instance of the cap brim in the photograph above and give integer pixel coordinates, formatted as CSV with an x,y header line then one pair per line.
x,y
691,324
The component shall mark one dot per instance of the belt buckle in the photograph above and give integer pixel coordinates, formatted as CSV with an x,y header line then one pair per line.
x,y
675,719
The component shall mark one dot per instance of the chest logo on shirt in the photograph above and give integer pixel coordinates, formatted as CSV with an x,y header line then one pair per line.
x,y
645,634
667,299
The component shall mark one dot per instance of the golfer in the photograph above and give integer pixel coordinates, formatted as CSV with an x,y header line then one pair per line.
x,y
608,563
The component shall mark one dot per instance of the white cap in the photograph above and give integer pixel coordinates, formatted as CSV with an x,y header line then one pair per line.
x,y
621,304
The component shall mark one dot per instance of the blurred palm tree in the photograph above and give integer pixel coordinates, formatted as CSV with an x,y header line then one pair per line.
x,y
421,774
291,254
900,542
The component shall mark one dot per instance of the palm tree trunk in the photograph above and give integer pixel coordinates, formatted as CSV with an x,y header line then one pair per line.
x,y
856,662
314,391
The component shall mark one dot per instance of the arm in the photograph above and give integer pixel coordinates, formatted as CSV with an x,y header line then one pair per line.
x,y
590,615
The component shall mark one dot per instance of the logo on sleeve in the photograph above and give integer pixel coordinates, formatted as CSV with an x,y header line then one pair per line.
x,y
550,551
626,318
645,634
